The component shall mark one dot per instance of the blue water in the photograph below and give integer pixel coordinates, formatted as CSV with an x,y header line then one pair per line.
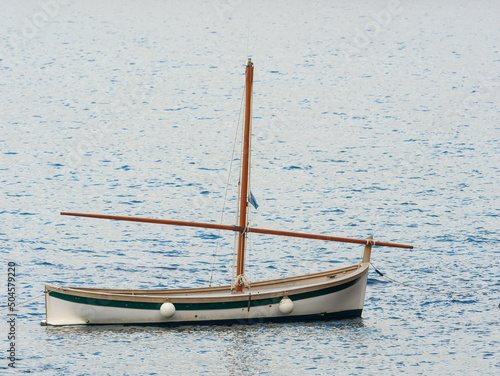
x,y
370,117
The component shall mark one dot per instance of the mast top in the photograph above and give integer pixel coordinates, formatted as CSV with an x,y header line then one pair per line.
x,y
249,63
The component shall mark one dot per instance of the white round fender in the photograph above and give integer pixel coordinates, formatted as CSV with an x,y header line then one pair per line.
x,y
286,305
167,310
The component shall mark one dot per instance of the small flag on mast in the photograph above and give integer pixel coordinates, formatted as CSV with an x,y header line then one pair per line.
x,y
252,201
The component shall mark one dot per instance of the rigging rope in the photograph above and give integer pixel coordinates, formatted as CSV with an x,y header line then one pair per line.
x,y
240,281
432,291
229,175
249,207
249,246
227,187
236,235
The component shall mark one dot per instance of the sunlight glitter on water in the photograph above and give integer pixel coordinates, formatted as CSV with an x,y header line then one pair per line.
x,y
359,129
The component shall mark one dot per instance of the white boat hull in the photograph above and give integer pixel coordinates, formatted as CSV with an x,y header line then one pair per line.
x,y
329,295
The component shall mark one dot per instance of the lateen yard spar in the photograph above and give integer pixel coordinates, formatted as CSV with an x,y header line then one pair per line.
x,y
332,294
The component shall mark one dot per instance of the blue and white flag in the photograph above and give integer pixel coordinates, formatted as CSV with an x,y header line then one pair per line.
x,y
252,201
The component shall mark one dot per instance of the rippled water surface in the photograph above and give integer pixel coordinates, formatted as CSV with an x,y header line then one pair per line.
x,y
370,117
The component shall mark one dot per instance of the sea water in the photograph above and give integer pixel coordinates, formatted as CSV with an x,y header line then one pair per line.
x,y
370,118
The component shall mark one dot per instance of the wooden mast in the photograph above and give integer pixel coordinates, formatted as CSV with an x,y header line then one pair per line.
x,y
245,168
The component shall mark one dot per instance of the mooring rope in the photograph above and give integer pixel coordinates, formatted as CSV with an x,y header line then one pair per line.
x,y
432,291
26,301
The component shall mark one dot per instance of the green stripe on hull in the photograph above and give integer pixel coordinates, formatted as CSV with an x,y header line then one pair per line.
x,y
353,313
199,306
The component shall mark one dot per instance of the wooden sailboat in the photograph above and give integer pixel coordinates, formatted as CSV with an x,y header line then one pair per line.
x,y
332,294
